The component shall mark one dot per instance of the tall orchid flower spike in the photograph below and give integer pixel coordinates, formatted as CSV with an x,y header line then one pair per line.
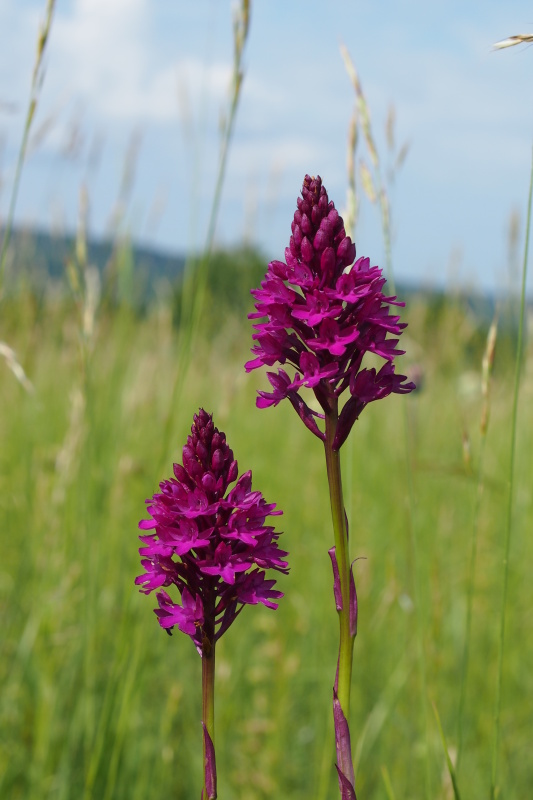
x,y
324,312
212,544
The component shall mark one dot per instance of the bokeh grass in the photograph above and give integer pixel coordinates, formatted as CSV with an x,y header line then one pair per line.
x,y
98,702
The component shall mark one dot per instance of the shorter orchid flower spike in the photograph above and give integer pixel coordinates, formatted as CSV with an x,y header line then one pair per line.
x,y
208,541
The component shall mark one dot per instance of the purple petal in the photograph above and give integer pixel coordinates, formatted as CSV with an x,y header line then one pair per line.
x,y
336,579
349,414
344,750
147,524
210,767
305,414
347,789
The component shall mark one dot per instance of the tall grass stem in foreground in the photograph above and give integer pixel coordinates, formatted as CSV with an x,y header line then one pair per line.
x,y
193,300
36,85
84,283
376,192
388,785
510,498
195,275
417,590
449,762
487,366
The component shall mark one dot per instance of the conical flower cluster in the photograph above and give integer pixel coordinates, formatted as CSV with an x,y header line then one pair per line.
x,y
211,543
324,313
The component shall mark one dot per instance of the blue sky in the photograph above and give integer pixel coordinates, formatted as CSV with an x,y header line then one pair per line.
x,y
157,73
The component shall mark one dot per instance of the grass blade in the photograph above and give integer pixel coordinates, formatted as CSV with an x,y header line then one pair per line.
x,y
488,362
387,781
449,762
509,521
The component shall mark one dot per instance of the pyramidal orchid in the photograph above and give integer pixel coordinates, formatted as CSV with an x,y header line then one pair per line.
x,y
324,312
210,544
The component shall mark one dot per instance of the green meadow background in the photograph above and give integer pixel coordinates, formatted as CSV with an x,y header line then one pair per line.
x,y
96,701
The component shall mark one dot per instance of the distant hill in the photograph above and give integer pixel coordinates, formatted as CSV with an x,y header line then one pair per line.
x,y
38,256
42,255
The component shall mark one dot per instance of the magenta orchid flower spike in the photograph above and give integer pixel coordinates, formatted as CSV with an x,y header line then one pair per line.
x,y
324,312
212,545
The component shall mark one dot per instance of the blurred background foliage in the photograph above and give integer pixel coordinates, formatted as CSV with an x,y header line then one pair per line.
x,y
98,702
106,351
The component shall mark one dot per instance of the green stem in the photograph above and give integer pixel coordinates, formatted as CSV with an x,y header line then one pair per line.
x,y
469,603
208,697
208,703
208,693
514,422
343,562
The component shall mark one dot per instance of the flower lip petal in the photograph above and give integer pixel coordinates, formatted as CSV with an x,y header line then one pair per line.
x,y
147,524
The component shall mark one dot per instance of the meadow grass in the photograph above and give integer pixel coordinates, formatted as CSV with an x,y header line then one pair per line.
x,y
97,701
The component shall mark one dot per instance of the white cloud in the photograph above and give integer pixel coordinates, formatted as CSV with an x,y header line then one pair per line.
x,y
106,56
108,53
